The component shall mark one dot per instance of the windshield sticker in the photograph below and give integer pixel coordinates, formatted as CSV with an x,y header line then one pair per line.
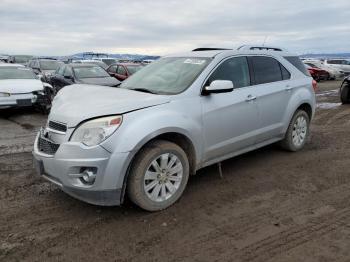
x,y
194,61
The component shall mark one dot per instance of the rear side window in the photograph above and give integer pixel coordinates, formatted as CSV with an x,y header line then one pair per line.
x,y
295,61
267,70
285,72
234,69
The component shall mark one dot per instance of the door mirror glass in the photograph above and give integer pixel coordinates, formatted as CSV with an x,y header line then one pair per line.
x,y
219,86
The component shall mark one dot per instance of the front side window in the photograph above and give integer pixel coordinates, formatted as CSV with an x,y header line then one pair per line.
x,y
266,69
170,75
234,69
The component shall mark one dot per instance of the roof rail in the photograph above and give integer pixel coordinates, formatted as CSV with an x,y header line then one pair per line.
x,y
209,49
256,47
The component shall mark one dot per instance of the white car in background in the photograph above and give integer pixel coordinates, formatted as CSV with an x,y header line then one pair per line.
x,y
20,87
341,64
334,73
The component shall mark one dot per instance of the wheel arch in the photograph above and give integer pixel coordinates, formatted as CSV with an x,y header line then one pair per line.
x,y
175,137
307,108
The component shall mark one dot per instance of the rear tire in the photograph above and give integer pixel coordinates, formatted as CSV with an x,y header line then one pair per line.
x,y
344,94
158,175
297,132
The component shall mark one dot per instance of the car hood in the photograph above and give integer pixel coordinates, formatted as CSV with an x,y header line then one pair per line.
x,y
20,86
76,103
103,81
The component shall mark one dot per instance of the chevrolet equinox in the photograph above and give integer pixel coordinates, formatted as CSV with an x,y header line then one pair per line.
x,y
170,119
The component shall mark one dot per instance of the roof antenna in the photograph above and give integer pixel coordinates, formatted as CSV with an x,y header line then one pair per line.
x,y
264,40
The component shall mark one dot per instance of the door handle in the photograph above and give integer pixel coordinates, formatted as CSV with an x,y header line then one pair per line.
x,y
250,98
288,88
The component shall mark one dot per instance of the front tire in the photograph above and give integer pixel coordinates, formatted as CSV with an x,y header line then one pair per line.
x,y
158,176
297,132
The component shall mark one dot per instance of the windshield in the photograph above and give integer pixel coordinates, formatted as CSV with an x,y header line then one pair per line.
x,y
134,68
21,58
90,72
16,73
170,75
109,61
49,65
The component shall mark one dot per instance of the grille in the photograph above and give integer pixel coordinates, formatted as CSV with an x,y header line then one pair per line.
x,y
46,146
57,126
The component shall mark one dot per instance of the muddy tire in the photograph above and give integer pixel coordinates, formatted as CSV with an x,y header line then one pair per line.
x,y
158,176
344,94
297,132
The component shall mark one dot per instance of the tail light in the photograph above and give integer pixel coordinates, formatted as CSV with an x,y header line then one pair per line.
x,y
314,85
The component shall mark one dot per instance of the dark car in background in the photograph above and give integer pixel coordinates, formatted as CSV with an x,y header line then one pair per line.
x,y
317,73
81,74
122,71
44,67
345,91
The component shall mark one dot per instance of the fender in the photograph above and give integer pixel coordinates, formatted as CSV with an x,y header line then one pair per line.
x,y
141,126
153,122
300,96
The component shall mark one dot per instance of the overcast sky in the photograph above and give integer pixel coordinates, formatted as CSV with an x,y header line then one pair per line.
x,y
64,27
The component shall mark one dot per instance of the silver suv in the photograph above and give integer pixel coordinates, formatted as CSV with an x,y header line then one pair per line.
x,y
173,117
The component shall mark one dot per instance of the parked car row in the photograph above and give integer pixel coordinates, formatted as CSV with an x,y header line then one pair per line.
x,y
319,70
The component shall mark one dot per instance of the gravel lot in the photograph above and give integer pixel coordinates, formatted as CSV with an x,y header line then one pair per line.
x,y
270,205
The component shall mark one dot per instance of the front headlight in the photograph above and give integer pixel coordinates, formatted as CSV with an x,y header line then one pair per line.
x,y
94,132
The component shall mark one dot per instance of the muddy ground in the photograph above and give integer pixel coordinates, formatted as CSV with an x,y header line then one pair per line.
x,y
270,205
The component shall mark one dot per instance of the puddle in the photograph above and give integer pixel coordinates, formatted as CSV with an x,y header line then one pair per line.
x,y
328,105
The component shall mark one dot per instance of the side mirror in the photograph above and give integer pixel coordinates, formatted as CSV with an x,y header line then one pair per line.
x,y
219,86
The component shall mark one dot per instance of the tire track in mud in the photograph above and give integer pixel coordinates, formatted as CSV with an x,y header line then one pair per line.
x,y
233,229
16,162
296,236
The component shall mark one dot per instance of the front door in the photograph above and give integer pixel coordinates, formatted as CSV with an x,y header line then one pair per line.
x,y
230,120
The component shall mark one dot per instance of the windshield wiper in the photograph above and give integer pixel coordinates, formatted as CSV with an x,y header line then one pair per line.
x,y
145,90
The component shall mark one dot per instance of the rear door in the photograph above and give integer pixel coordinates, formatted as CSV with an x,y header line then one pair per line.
x,y
273,90
230,120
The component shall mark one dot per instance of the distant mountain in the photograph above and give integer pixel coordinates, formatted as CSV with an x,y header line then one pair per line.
x,y
119,56
336,55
